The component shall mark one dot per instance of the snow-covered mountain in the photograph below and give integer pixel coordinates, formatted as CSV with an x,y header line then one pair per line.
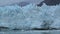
x,y
9,2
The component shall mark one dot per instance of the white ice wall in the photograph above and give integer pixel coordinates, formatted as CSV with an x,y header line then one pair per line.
x,y
29,16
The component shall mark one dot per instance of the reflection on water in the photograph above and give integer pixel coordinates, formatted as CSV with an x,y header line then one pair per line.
x,y
46,32
51,32
31,32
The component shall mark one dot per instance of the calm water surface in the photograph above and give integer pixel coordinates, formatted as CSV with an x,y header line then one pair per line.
x,y
31,32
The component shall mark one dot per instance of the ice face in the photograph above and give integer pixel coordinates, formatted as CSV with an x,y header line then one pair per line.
x,y
10,15
30,16
56,23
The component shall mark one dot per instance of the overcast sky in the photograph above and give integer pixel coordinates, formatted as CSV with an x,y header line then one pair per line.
x,y
7,2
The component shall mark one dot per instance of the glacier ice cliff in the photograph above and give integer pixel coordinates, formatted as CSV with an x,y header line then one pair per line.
x,y
30,16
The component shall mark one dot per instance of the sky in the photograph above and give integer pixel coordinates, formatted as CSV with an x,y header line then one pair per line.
x,y
8,2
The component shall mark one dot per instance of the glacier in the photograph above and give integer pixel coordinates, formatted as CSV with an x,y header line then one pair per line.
x,y
30,16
